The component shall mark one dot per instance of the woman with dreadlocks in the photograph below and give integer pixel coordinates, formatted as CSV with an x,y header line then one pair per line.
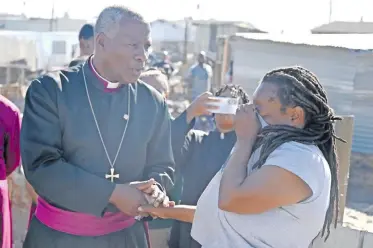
x,y
198,157
279,186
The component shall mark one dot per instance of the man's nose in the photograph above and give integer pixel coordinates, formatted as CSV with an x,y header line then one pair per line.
x,y
141,56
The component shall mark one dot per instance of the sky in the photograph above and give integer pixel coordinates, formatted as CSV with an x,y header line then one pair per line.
x,y
269,15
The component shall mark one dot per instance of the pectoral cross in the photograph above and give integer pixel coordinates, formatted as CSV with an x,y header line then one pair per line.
x,y
111,175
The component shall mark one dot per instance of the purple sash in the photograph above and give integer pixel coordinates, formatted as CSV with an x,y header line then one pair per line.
x,y
81,224
5,216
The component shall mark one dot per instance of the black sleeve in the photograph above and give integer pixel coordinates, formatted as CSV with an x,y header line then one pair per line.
x,y
192,142
160,160
180,128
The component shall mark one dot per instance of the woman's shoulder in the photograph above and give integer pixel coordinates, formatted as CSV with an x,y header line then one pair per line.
x,y
305,151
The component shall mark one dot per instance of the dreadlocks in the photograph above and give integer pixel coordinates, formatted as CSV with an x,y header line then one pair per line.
x,y
300,87
236,91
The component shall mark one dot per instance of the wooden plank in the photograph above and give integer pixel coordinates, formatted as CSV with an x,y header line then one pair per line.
x,y
344,129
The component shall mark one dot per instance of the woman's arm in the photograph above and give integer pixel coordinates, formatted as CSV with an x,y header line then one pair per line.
x,y
183,213
285,179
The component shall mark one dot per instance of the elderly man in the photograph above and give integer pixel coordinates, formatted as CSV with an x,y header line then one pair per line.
x,y
96,143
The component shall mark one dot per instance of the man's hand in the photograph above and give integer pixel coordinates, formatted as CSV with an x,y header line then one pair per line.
x,y
129,197
155,196
247,124
201,106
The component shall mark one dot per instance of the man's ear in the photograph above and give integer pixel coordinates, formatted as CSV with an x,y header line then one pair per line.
x,y
100,41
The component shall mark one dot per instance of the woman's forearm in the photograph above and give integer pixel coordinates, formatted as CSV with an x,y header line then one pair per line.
x,y
235,172
183,213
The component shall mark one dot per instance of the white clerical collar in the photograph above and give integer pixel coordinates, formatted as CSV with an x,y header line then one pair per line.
x,y
110,85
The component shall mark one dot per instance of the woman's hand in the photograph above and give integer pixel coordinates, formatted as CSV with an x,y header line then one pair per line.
x,y
159,212
183,213
247,124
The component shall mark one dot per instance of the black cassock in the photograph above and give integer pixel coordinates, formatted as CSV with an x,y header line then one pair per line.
x,y
64,159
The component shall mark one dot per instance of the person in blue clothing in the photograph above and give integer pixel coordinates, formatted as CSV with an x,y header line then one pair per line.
x,y
199,80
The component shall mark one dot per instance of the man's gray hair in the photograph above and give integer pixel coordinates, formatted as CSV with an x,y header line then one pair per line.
x,y
109,19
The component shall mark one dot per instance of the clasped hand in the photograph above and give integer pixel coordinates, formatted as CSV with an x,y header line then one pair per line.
x,y
129,197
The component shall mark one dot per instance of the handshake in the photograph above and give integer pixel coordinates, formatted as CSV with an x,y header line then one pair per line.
x,y
133,197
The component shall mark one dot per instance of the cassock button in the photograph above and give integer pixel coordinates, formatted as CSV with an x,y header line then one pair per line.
x,y
125,117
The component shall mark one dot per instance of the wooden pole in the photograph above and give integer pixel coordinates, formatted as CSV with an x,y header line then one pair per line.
x,y
330,10
344,129
225,61
186,40
8,76
52,18
23,77
218,62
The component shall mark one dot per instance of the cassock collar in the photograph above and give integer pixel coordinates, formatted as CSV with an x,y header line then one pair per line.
x,y
109,86
227,136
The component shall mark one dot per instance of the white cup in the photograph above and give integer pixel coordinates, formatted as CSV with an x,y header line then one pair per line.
x,y
226,105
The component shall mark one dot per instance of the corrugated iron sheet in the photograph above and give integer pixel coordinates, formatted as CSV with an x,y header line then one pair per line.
x,y
348,81
349,41
362,108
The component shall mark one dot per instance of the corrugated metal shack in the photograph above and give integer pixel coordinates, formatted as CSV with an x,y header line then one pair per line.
x,y
343,63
